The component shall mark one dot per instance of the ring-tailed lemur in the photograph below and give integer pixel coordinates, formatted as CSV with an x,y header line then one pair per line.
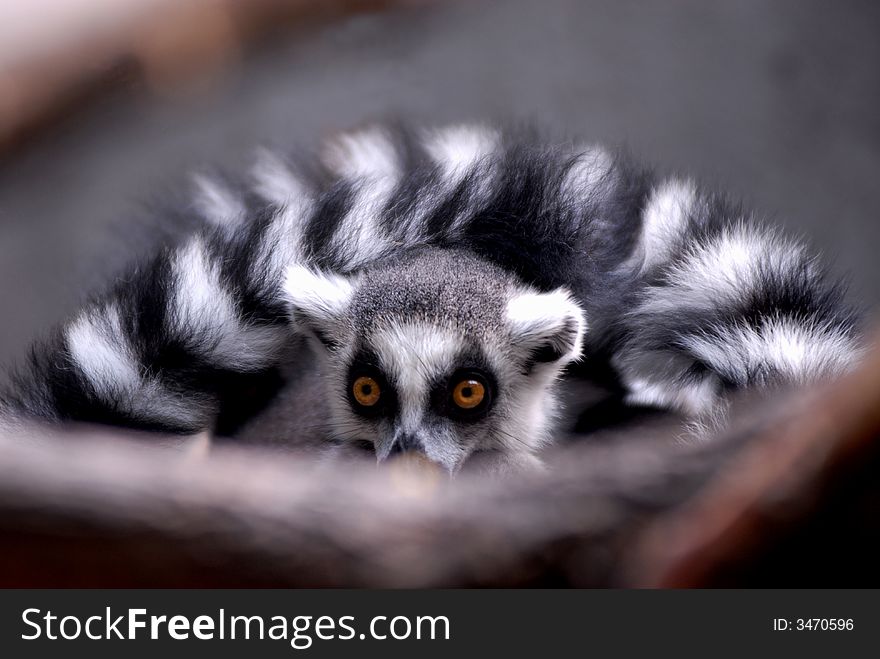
x,y
445,280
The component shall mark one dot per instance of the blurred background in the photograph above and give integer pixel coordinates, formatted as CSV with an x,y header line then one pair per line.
x,y
107,103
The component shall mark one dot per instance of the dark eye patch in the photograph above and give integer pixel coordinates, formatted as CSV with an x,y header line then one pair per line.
x,y
469,394
444,391
365,369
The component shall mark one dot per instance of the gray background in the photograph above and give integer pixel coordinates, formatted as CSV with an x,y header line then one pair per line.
x,y
776,102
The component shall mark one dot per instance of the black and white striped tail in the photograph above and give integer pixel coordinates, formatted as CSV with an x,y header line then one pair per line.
x,y
154,352
725,304
158,349
689,297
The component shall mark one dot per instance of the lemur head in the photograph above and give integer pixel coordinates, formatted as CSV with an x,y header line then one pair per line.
x,y
438,352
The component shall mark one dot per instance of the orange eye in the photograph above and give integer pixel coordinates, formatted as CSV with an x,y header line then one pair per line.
x,y
467,394
366,391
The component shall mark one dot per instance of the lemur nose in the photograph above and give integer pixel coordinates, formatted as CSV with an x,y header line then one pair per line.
x,y
403,442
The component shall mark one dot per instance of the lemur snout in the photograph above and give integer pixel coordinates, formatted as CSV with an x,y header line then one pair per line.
x,y
405,442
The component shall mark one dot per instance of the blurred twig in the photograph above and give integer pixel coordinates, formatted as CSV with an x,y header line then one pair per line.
x,y
46,72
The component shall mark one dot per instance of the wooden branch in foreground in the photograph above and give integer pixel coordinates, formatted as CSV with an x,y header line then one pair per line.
x,y
92,511
820,459
98,509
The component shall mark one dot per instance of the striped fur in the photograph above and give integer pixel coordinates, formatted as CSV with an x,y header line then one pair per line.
x,y
686,296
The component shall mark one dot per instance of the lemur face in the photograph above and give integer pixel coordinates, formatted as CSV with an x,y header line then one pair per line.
x,y
439,353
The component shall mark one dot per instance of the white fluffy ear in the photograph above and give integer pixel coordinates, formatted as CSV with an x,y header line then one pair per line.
x,y
318,301
548,326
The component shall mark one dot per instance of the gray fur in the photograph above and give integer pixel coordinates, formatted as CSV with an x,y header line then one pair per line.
x,y
452,288
458,303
